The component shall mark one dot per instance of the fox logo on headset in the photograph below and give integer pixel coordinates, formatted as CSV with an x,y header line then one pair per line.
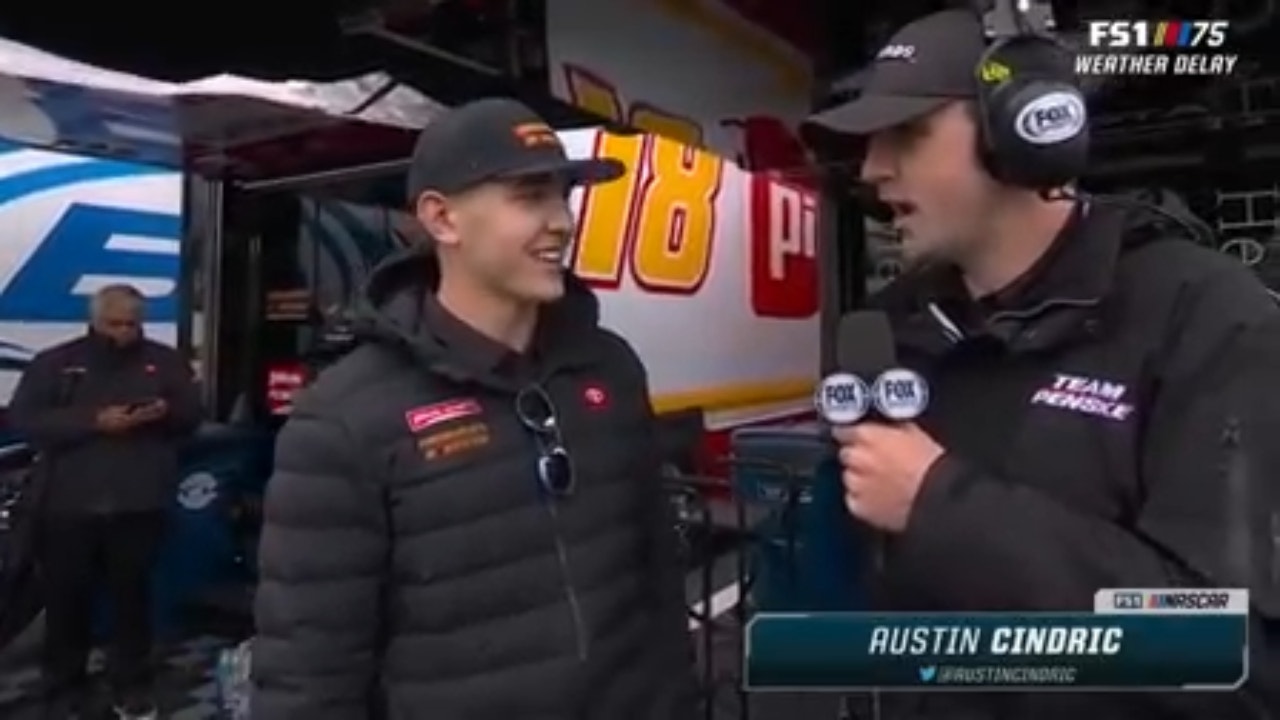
x,y
1033,122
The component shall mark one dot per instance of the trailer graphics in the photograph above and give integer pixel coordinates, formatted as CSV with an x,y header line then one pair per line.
x,y
72,224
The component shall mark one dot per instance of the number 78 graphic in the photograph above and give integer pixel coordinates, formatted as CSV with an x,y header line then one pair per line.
x,y
661,220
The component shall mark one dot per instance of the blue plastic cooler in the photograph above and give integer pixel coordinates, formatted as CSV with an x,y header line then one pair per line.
x,y
811,557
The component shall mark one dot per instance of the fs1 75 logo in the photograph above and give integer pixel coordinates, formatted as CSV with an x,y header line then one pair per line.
x,y
1155,47
1130,34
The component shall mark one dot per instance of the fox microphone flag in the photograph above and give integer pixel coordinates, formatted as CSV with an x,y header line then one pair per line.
x,y
868,379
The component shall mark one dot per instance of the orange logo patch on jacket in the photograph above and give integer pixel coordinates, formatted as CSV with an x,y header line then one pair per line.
x,y
464,438
536,134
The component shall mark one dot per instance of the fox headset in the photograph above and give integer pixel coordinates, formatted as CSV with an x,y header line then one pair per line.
x,y
1033,123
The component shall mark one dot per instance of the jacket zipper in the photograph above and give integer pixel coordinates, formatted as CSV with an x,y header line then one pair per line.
x,y
580,638
955,334
566,576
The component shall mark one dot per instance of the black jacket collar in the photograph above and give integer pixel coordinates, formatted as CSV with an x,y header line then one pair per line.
x,y
932,311
398,309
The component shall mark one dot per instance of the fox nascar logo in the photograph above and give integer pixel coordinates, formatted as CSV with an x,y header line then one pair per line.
x,y
1171,600
896,395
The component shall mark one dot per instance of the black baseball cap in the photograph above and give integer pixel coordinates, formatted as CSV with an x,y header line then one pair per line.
x,y
495,139
925,65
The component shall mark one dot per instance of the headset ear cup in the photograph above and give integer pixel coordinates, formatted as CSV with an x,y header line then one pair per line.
x,y
1033,121
1044,134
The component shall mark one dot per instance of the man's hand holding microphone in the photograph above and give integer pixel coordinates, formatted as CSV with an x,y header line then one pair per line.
x,y
884,466
871,405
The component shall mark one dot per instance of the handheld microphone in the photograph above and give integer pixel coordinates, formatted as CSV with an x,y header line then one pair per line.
x,y
869,385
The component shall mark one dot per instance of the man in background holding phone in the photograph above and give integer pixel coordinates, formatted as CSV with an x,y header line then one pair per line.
x,y
107,414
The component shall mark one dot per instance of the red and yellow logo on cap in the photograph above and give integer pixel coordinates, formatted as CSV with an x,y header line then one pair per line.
x,y
536,134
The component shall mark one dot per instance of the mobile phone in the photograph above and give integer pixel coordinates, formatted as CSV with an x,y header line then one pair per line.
x,y
137,405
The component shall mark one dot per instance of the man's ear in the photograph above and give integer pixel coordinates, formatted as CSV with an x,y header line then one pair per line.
x,y
438,218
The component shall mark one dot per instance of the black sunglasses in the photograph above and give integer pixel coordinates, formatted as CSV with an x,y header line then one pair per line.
x,y
538,414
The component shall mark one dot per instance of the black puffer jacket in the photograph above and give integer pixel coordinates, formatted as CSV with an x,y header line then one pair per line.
x,y
1129,395
411,568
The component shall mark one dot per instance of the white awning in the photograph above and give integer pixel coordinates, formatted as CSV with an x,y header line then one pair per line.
x,y
245,127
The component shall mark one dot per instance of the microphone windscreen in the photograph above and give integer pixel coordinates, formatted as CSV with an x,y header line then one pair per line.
x,y
864,344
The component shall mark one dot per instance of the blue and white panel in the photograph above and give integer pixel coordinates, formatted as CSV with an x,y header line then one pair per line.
x,y
68,226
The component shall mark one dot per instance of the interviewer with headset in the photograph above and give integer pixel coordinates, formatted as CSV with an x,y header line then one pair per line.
x,y
1007,494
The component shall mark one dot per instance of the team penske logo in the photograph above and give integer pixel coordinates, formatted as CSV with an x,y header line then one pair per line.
x,y
1085,395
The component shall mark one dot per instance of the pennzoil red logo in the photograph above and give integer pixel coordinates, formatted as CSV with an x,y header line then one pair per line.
x,y
784,241
595,396
421,418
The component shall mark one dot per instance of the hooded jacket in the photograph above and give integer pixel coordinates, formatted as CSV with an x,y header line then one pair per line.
x,y
1110,421
411,567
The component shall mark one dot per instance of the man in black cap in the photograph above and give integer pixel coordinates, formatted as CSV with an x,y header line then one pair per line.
x,y
466,519
1105,393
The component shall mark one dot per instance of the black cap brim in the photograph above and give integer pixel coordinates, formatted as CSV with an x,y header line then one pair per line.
x,y
590,171
871,113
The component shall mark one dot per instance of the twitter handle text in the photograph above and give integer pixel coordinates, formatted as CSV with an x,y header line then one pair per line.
x,y
998,674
